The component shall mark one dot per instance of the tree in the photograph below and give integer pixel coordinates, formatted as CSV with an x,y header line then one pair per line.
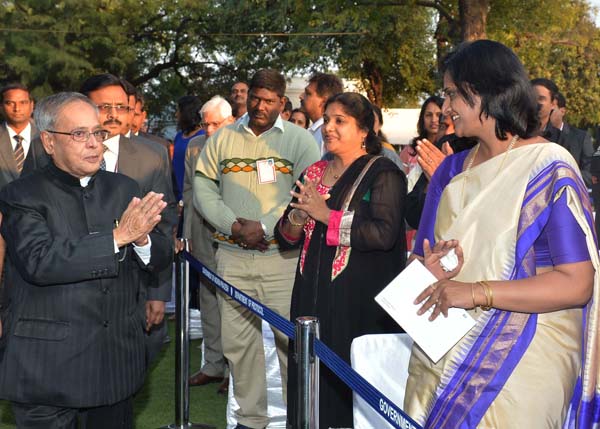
x,y
391,47
562,44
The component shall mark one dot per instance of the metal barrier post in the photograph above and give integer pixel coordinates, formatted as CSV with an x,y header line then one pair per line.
x,y
182,346
307,330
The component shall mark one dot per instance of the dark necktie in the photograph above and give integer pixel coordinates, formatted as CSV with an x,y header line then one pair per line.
x,y
103,162
19,153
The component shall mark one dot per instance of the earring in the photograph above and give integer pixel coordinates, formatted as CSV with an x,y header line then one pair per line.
x,y
363,145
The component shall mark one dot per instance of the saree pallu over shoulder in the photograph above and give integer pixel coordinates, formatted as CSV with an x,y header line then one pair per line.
x,y
497,214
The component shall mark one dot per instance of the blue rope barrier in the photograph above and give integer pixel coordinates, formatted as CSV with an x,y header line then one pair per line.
x,y
378,401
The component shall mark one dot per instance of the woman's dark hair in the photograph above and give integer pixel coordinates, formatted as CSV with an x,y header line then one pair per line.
x,y
361,110
379,113
422,133
302,112
493,72
189,116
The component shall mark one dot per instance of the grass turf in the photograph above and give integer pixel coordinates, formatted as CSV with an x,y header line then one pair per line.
x,y
154,405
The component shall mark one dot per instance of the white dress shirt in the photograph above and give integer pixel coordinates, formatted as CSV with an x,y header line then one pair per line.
x,y
111,156
26,134
315,130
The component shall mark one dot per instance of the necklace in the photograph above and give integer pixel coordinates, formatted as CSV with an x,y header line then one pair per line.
x,y
513,141
338,175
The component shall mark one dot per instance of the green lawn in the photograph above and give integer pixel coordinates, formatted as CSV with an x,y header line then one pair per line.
x,y
155,403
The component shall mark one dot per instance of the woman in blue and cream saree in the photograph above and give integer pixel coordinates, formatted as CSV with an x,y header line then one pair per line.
x,y
519,209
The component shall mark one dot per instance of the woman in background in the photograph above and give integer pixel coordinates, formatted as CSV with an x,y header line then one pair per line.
x,y
188,124
427,128
300,118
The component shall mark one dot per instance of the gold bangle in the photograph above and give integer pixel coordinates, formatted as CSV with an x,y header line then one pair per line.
x,y
291,216
473,294
484,307
488,298
490,304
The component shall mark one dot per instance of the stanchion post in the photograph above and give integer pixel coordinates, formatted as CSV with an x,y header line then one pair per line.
x,y
182,345
307,330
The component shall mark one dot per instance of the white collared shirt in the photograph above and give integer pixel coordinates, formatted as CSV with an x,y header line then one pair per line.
x,y
111,156
26,134
245,120
315,130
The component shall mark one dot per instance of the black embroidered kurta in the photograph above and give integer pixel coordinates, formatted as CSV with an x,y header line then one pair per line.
x,y
346,306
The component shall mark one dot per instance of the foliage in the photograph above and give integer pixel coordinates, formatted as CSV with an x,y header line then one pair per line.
x,y
562,44
391,47
393,58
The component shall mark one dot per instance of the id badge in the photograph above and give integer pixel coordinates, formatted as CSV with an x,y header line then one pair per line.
x,y
266,171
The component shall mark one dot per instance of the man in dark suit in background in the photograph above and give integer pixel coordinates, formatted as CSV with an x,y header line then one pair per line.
x,y
79,241
577,142
546,91
20,149
138,123
148,164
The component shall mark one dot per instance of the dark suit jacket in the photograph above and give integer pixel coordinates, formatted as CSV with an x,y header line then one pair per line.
x,y
73,328
36,156
579,144
148,164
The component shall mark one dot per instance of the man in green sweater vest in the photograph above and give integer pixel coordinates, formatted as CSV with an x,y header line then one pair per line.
x,y
242,185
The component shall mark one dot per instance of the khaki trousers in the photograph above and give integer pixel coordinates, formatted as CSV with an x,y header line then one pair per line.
x,y
210,315
267,278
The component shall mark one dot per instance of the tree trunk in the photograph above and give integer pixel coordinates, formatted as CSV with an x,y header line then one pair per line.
x,y
473,17
374,82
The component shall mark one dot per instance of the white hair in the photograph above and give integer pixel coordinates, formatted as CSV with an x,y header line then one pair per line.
x,y
47,111
217,102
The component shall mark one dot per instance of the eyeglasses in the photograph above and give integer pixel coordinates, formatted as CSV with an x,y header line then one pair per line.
x,y
120,108
211,124
83,136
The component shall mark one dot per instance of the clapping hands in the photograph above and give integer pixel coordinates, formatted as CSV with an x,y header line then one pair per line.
x,y
138,219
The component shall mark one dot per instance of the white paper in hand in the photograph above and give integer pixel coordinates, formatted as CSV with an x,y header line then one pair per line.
x,y
434,337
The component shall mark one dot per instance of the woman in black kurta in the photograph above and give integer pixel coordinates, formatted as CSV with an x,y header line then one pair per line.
x,y
348,253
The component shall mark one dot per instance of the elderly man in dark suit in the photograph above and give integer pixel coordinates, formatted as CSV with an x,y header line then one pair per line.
x,y
148,164
79,242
